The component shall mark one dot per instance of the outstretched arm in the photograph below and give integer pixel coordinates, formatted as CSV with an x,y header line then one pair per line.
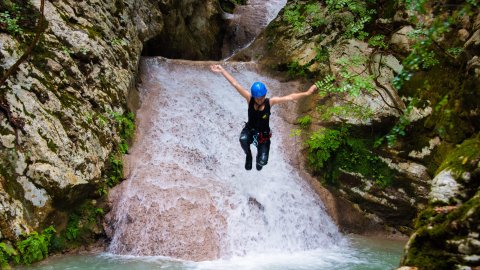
x,y
242,91
294,96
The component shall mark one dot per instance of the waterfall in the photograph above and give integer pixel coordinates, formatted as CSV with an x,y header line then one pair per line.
x,y
247,22
188,195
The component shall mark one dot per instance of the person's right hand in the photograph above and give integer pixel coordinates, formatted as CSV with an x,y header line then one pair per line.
x,y
216,68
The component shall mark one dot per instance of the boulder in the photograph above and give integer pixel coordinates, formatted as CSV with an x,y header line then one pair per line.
x,y
401,41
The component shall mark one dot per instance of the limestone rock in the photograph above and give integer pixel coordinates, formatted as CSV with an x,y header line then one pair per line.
x,y
64,96
444,187
474,41
400,40
378,101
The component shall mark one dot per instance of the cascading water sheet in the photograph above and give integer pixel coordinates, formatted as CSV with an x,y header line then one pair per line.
x,y
188,195
247,22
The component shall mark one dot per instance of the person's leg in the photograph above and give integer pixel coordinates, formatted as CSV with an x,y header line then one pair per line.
x,y
246,138
262,154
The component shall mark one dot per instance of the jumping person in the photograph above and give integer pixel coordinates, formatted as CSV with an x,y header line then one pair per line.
x,y
257,129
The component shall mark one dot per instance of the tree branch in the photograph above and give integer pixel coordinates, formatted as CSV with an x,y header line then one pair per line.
x,y
395,106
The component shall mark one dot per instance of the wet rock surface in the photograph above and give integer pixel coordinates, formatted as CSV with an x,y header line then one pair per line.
x,y
57,125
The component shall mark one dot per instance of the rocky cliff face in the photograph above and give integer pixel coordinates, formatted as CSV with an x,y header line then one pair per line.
x,y
318,51
58,123
433,167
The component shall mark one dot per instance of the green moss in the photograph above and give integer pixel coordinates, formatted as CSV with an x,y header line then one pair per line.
x,y
52,146
356,156
40,54
93,31
430,258
452,95
438,156
8,160
50,143
68,100
430,248
5,131
464,157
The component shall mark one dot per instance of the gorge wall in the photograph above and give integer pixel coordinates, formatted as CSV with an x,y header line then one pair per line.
x,y
422,178
61,112
60,130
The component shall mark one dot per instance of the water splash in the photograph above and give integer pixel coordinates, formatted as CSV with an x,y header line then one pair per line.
x,y
187,194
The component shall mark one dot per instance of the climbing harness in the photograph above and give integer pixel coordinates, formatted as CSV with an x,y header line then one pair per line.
x,y
261,137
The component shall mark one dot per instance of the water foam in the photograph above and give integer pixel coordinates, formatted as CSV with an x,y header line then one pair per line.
x,y
188,195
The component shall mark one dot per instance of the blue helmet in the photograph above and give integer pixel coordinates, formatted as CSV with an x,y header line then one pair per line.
x,y
258,90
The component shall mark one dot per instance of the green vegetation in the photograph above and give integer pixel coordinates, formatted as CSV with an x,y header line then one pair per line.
x,y
18,18
349,109
430,247
322,145
464,158
84,226
332,152
350,82
304,121
434,44
426,51
125,124
300,16
297,70
361,12
10,24
378,41
34,247
399,128
7,253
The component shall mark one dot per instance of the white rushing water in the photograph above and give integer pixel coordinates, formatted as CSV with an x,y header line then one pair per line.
x,y
188,195
247,22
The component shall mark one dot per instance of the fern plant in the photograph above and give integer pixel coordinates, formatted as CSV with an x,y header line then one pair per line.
x,y
361,12
301,16
35,247
304,121
378,41
321,145
10,23
6,253
349,109
126,125
349,82
399,129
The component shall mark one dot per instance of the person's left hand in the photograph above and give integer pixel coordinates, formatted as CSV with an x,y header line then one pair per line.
x,y
216,68
312,89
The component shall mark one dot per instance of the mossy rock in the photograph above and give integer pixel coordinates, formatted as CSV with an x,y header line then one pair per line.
x,y
435,244
464,158
453,97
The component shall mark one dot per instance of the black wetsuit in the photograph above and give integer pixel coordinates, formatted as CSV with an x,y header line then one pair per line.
x,y
257,131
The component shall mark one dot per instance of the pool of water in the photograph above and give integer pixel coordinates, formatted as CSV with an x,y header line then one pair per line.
x,y
360,253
